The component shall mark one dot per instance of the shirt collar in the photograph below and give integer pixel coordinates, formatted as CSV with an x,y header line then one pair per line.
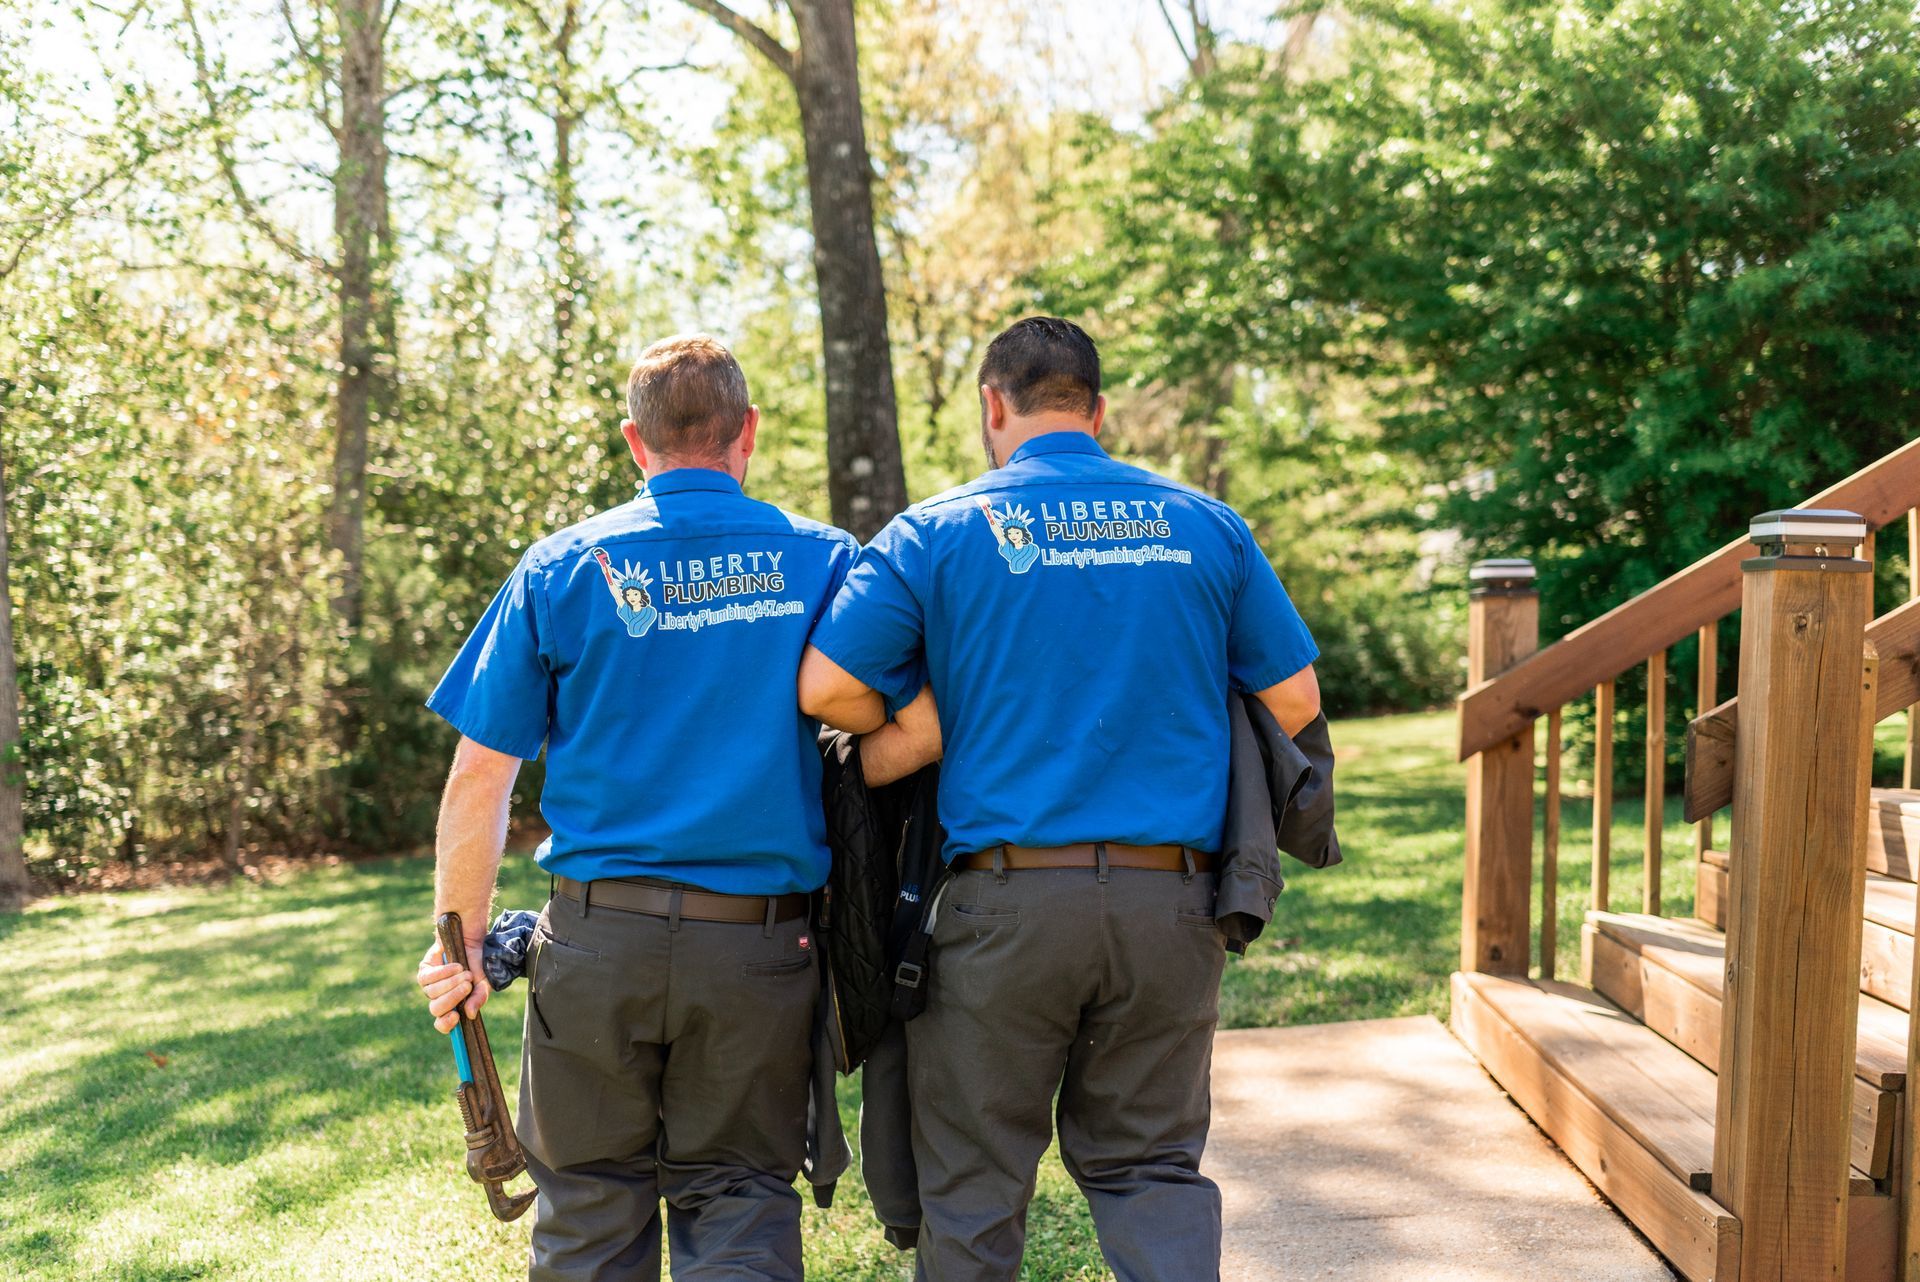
x,y
682,479
1058,443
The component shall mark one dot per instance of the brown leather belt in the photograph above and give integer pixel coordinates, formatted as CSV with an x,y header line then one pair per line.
x,y
1086,854
658,899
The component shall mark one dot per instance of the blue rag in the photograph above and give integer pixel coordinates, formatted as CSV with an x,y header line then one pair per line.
x,y
503,955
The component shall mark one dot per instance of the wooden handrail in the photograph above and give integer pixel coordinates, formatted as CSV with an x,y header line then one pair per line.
x,y
1895,636
1503,706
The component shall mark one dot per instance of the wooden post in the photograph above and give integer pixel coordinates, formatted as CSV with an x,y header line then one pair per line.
x,y
1550,853
1798,878
1503,627
1602,792
1706,695
1656,780
1910,773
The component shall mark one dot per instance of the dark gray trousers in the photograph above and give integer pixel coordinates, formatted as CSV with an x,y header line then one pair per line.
x,y
665,1059
1108,990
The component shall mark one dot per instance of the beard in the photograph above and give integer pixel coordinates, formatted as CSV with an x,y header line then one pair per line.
x,y
986,442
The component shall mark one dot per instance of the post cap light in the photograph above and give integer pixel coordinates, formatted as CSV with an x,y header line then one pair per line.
x,y
1501,576
1827,533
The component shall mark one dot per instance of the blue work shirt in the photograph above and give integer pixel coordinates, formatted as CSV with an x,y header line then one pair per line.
x,y
1081,622
654,649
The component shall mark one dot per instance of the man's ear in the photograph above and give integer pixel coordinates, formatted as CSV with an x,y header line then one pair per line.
x,y
994,406
749,430
1099,413
635,446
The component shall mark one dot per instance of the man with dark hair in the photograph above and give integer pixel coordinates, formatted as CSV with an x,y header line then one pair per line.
x,y
651,651
1083,794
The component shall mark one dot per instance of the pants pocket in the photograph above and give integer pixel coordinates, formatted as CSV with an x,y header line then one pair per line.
x,y
551,964
783,966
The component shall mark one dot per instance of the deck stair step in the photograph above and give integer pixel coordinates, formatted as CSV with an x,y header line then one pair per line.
x,y
1635,1114
1893,832
1893,853
1886,942
1670,974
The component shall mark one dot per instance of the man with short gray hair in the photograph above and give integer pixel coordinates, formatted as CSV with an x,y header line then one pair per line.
x,y
652,650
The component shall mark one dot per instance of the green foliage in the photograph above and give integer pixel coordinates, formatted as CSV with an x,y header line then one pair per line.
x,y
176,650
1619,276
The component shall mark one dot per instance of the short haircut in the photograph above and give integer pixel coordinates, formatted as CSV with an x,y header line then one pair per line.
x,y
1044,363
688,397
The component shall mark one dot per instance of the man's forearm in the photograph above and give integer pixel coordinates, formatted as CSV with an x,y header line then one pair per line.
x,y
472,834
911,740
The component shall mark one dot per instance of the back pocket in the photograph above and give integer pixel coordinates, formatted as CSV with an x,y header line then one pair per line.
x,y
549,964
780,966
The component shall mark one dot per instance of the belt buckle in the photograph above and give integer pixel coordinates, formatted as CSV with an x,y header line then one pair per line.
x,y
909,974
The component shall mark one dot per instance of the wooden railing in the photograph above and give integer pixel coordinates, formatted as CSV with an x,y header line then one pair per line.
x,y
1512,683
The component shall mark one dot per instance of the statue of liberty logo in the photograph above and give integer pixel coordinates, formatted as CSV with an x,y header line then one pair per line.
x,y
631,600
1013,531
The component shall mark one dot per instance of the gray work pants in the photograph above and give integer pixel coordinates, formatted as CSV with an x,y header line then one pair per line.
x,y
665,1059
1108,990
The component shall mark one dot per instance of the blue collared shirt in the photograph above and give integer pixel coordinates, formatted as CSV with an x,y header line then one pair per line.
x,y
653,649
1081,622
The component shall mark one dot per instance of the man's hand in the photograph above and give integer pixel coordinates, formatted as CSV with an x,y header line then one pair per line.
x,y
447,985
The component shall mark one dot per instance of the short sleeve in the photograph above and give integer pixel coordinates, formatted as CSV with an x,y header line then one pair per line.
x,y
845,549
1267,641
497,691
876,626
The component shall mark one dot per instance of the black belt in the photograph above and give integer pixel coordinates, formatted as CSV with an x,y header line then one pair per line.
x,y
1087,854
657,899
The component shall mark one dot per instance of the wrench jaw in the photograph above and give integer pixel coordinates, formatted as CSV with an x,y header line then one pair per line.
x,y
507,1207
492,1160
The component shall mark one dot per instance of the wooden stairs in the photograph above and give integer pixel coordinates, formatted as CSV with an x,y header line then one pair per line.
x,y
1621,1074
1742,1098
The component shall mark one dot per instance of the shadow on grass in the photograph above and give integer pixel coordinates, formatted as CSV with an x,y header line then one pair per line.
x,y
286,1015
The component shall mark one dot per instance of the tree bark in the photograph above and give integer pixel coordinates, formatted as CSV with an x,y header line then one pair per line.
x,y
15,888
568,267
362,230
866,481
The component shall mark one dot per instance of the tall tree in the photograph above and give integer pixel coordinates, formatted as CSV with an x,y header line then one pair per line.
x,y
866,481
14,886
347,68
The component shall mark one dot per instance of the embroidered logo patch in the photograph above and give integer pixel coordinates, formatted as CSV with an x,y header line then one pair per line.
x,y
631,600
1013,532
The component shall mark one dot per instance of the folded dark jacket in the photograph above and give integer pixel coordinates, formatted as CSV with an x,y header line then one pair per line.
x,y
1279,798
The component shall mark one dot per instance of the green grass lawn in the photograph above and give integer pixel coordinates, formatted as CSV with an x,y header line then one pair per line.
x,y
241,1082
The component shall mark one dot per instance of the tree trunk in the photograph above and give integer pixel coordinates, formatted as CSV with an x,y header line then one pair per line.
x,y
566,197
360,224
866,482
14,886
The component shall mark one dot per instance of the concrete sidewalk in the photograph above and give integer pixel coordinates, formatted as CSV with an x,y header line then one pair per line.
x,y
1380,1150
